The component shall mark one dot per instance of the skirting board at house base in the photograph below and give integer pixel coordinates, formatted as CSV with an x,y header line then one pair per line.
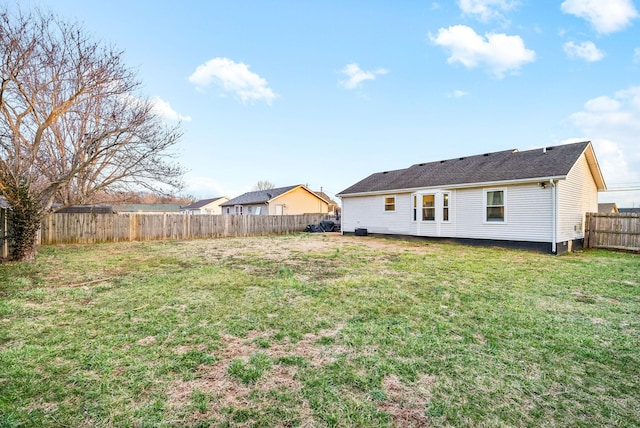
x,y
542,247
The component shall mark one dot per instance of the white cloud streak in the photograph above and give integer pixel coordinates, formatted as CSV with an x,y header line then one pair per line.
x,y
164,109
486,10
499,53
459,93
355,75
233,77
585,50
606,16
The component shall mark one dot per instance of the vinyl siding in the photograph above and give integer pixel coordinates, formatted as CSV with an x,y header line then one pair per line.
x,y
368,212
528,211
577,195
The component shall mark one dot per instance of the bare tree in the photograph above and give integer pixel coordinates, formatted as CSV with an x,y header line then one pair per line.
x,y
264,185
71,123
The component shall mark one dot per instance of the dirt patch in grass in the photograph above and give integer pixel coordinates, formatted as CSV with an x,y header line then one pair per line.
x,y
407,404
291,247
228,392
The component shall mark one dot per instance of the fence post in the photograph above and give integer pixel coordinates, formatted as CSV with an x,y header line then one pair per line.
x,y
587,231
4,232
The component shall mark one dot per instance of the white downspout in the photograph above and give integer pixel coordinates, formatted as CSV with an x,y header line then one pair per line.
x,y
554,216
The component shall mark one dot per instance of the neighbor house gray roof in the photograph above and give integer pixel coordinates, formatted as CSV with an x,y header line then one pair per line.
x,y
141,208
606,208
87,209
629,210
201,203
258,197
507,165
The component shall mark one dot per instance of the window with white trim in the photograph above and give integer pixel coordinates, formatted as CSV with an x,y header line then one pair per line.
x,y
415,207
495,205
428,207
445,206
390,203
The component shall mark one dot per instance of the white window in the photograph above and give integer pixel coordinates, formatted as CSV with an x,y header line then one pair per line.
x,y
239,209
428,207
415,207
445,206
390,203
495,203
258,210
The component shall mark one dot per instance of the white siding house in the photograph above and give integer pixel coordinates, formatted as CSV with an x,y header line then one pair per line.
x,y
209,206
537,198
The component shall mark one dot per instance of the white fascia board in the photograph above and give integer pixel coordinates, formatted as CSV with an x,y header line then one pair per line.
x,y
455,186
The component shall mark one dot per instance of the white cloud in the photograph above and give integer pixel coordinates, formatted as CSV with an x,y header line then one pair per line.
x,y
205,187
499,53
459,93
233,77
602,104
606,16
585,50
164,109
612,123
355,76
486,10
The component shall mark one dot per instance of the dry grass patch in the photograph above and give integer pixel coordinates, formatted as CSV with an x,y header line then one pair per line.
x,y
228,392
407,403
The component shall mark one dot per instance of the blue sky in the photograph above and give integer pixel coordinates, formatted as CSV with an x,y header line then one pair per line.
x,y
325,93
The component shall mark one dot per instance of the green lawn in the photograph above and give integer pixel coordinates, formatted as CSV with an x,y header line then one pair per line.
x,y
318,330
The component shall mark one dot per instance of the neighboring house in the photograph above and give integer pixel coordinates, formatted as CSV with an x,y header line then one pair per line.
x,y
629,210
333,208
289,200
86,209
608,208
205,206
534,198
147,208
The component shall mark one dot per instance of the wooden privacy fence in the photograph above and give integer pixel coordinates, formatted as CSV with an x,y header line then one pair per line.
x,y
90,228
613,230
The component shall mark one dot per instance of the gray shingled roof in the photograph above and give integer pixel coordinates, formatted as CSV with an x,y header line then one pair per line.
x,y
258,197
508,165
201,203
87,209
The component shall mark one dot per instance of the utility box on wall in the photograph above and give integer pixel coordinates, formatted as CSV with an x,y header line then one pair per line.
x,y
361,231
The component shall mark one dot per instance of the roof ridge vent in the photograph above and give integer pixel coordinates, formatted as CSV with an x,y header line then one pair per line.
x,y
486,154
462,158
442,161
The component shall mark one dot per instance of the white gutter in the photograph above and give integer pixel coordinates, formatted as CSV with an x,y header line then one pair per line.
x,y
554,216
